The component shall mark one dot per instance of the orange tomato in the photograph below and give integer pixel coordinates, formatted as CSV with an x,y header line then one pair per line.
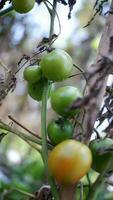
x,y
69,161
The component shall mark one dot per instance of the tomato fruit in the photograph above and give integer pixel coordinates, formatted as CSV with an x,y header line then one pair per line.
x,y
62,98
69,161
35,90
57,65
60,130
23,6
100,160
32,73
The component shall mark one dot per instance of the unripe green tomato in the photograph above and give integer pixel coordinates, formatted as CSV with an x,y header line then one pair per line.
x,y
33,73
57,65
23,6
35,90
60,130
100,160
62,98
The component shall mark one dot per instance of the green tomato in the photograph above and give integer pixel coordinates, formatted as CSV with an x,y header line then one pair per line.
x,y
56,65
100,161
60,130
33,73
35,90
62,98
23,6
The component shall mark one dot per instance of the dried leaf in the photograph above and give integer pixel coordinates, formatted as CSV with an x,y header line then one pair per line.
x,y
71,3
2,3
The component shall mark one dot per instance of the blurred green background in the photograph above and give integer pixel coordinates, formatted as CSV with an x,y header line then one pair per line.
x,y
21,167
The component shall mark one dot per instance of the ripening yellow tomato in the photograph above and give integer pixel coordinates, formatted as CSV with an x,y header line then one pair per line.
x,y
69,161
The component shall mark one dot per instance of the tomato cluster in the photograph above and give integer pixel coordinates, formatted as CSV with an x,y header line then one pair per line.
x,y
54,66
23,6
69,160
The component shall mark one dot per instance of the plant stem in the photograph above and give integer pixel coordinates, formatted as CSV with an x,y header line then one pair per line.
x,y
44,140
43,124
89,181
37,148
52,14
81,191
43,115
22,126
6,11
22,135
101,180
24,192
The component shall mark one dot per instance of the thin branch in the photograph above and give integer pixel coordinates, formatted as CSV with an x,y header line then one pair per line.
x,y
37,148
101,180
6,11
24,192
22,135
22,126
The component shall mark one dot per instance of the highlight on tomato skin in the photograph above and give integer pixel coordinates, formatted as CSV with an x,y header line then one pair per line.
x,y
69,161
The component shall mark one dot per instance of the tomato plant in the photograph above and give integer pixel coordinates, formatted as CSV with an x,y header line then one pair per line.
x,y
69,161
60,130
23,6
62,98
57,65
100,160
32,73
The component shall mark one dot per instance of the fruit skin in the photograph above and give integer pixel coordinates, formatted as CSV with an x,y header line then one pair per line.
x,y
69,161
23,6
33,73
35,90
60,130
62,98
57,65
100,161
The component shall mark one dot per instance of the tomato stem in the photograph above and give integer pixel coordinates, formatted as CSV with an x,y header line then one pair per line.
x,y
81,191
52,15
44,140
43,124
43,115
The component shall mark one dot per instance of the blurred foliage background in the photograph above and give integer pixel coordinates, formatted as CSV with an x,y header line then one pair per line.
x,y
21,167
